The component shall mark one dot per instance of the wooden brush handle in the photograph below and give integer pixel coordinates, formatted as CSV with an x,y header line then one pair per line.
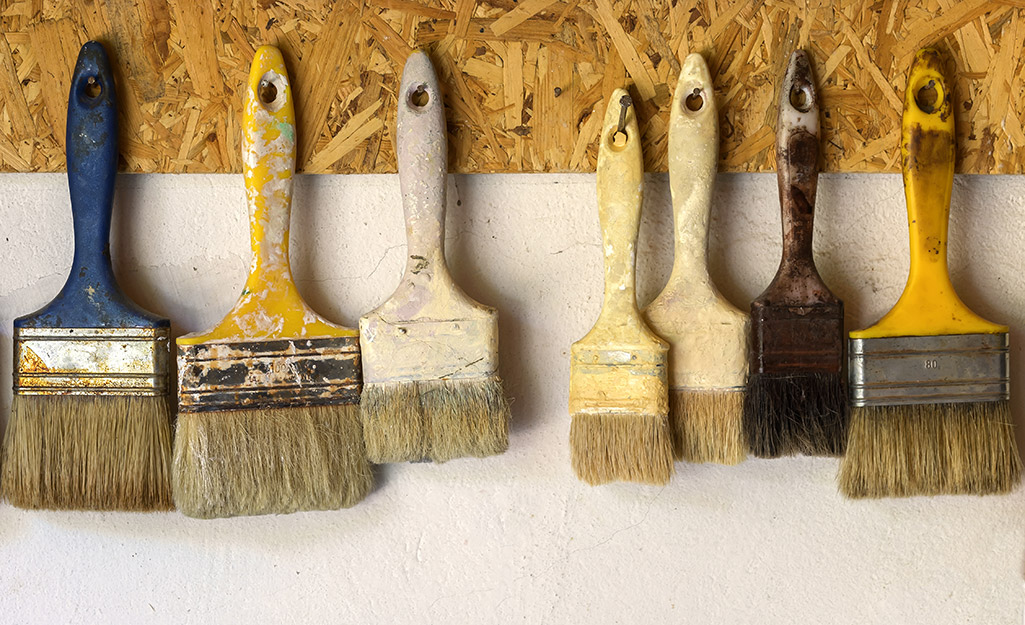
x,y
797,162
268,150
929,306
423,165
620,195
693,159
92,145
91,297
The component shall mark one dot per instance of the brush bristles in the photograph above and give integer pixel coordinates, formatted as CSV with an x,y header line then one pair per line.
x,y
706,425
621,447
436,420
931,449
792,414
269,461
82,452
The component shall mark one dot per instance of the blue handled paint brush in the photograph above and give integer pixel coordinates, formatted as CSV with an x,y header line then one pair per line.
x,y
90,419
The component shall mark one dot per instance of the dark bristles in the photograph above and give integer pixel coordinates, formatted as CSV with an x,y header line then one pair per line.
x,y
788,414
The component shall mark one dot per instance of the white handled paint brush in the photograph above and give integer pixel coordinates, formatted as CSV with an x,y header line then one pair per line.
x,y
707,335
430,353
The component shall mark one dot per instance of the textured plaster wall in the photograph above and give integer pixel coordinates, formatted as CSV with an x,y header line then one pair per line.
x,y
516,539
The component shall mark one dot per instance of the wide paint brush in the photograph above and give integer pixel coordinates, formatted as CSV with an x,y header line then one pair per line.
x,y
430,352
268,421
90,423
618,395
796,402
707,335
929,381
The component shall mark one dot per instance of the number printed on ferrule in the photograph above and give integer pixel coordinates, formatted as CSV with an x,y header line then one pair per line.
x,y
932,363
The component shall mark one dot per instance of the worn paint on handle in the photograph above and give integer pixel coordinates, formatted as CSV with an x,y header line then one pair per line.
x,y
707,334
91,297
929,306
429,329
270,306
620,365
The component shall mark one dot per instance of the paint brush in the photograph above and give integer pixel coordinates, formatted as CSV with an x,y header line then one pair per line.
x,y
929,381
267,418
618,392
90,418
796,402
430,352
707,335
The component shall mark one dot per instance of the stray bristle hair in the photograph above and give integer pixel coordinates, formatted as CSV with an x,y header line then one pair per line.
x,y
931,449
706,425
87,452
621,447
436,420
269,461
788,414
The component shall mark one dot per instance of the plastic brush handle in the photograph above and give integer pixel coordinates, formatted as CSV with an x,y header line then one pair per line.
x,y
423,166
270,306
91,297
693,156
797,281
929,306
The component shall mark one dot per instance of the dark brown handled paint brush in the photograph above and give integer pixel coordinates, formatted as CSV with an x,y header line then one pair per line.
x,y
430,352
929,381
796,401
90,423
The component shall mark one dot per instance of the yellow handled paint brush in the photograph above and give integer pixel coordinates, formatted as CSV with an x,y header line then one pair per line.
x,y
618,392
707,335
929,381
430,353
267,419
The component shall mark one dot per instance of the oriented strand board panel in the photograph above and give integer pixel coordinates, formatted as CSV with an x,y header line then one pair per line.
x,y
526,80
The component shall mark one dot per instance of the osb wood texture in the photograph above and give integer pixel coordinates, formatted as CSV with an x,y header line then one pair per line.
x,y
526,81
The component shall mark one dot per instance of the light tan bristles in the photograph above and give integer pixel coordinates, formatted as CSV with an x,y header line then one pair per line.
x,y
88,452
621,447
707,425
270,461
930,449
436,420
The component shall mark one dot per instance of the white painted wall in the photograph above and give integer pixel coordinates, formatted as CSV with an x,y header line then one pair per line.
x,y
516,538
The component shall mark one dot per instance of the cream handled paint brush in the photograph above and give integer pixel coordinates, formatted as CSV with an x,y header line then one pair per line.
x,y
707,335
430,352
796,401
929,381
618,395
267,419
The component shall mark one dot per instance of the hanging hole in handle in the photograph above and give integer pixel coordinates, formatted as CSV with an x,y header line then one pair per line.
x,y
618,139
93,88
927,97
267,91
419,97
800,99
694,101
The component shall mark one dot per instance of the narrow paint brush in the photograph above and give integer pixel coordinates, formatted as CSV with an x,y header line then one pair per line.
x,y
430,352
90,419
929,381
618,394
707,335
267,418
796,402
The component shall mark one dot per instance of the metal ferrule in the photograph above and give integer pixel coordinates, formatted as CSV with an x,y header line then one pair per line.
x,y
929,369
268,374
91,361
792,339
